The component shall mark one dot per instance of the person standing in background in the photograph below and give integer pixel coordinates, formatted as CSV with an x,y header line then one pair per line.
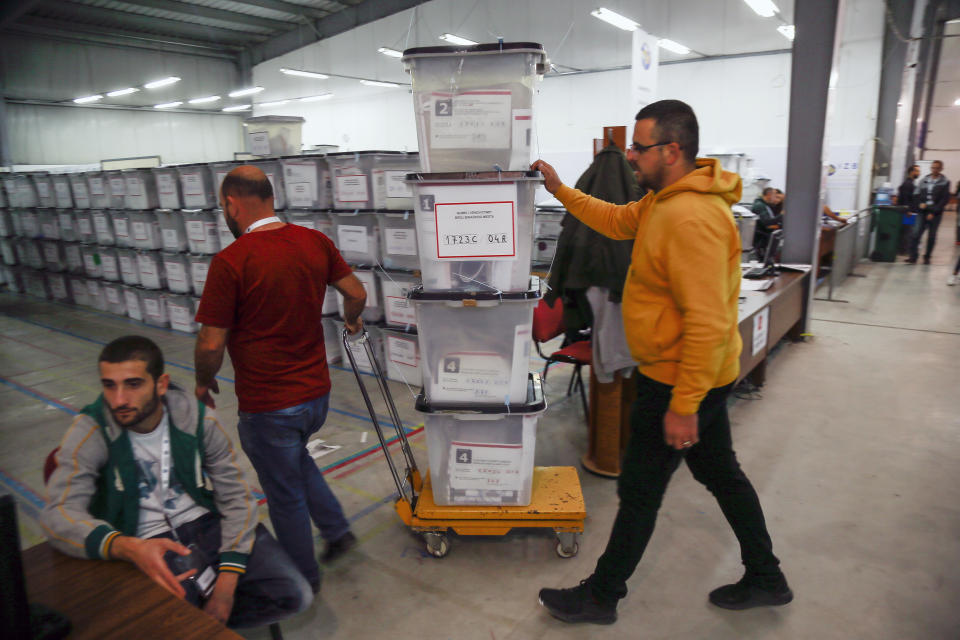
x,y
932,196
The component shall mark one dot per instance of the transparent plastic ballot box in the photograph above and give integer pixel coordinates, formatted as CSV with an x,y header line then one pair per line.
x,y
307,182
99,190
26,191
140,189
351,176
474,105
79,190
129,269
3,199
96,297
167,184
78,291
219,171
196,186
357,236
150,266
173,230
28,252
103,227
475,230
544,249
373,309
73,257
321,221
116,188
274,173
35,284
49,223
331,340
6,224
67,221
8,254
29,223
53,255
224,235
109,264
13,278
330,306
475,347
131,296
199,266
180,310
62,196
395,287
145,230
43,185
155,311
390,189
113,293
401,353
482,455
122,235
59,287
9,182
92,266
176,266
398,241
201,226
16,220
85,230
359,353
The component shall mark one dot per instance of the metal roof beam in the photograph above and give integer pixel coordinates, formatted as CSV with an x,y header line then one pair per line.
x,y
334,24
285,7
10,10
187,9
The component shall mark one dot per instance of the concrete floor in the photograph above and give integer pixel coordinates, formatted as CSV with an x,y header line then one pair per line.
x,y
853,446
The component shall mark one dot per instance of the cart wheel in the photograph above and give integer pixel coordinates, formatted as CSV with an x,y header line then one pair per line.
x,y
438,545
568,544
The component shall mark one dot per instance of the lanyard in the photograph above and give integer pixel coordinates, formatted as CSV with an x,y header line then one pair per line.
x,y
261,222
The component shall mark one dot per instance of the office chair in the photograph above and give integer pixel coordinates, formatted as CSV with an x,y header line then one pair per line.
x,y
547,325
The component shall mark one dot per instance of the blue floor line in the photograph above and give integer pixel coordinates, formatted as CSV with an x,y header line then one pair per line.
x,y
33,394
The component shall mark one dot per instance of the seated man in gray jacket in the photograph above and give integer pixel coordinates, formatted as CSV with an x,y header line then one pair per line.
x,y
146,474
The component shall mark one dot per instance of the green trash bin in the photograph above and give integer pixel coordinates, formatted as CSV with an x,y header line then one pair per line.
x,y
887,221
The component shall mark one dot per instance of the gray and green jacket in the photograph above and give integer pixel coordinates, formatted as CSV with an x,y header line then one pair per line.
x,y
93,497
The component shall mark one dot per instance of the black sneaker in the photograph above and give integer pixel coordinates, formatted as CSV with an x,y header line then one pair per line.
x,y
747,594
338,547
578,604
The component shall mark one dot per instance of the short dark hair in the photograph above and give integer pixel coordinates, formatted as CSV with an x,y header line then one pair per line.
x,y
912,167
937,161
134,348
674,122
767,191
243,187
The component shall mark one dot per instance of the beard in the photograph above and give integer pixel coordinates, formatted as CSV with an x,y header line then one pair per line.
x,y
233,226
653,182
128,417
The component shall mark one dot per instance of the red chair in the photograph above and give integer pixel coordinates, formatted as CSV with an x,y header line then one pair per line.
x,y
50,465
547,325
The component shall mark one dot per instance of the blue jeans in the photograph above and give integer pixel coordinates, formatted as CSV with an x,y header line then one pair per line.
x,y
275,442
270,591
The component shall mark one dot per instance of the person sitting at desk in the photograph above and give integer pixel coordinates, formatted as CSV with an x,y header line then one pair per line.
x,y
144,471
767,220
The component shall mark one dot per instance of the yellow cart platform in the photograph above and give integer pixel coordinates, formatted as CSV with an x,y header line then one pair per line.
x,y
556,498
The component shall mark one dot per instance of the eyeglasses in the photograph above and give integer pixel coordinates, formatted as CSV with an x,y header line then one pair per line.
x,y
636,147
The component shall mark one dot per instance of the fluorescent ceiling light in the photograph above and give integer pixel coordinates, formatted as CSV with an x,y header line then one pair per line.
x,y
205,100
787,31
168,105
122,92
378,83
614,18
763,8
322,96
245,92
156,84
275,103
305,74
670,45
239,107
956,102
455,39
86,99
387,51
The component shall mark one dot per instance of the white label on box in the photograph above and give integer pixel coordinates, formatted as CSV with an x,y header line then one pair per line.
x,y
192,183
153,307
465,377
96,187
198,270
352,238
120,225
50,253
58,287
403,351
84,223
352,188
522,133
301,181
470,120
761,328
128,269
93,288
43,189
63,191
100,223
482,466
109,265
80,193
400,311
117,187
180,317
259,143
133,305
147,268
66,221
397,186
401,242
176,274
170,240
140,231
165,184
113,296
134,186
300,194
195,231
74,257
49,230
476,229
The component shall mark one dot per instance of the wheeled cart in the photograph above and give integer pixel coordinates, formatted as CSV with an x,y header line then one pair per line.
x,y
556,500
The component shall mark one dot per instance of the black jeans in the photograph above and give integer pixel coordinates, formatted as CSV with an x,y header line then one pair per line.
x,y
930,226
648,464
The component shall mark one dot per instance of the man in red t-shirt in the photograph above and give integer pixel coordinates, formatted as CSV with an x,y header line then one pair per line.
x,y
263,301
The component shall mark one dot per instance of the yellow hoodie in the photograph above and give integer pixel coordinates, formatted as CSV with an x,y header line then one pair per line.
x,y
680,306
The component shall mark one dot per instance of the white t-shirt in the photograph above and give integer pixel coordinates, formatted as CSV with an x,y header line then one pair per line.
x,y
160,491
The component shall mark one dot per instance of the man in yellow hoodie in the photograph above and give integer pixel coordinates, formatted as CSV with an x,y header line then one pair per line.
x,y
680,313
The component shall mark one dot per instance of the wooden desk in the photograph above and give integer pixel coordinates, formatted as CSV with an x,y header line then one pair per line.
x,y
112,599
785,298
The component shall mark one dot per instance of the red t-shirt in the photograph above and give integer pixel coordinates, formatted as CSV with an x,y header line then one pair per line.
x,y
267,288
